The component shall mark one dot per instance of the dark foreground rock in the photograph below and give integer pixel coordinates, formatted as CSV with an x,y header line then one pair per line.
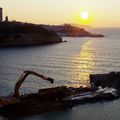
x,y
24,34
111,80
60,98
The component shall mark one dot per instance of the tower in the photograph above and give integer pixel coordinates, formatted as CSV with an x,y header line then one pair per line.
x,y
1,15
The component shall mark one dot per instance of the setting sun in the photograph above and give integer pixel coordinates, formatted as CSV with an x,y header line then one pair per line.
x,y
84,15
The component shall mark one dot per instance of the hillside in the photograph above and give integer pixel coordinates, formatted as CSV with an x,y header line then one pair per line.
x,y
19,34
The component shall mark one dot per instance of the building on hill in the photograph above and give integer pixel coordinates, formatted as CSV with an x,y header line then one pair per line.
x,y
1,15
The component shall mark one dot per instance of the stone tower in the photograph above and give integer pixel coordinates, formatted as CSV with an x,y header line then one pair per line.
x,y
1,15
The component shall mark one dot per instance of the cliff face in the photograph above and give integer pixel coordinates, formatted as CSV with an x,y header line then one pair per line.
x,y
19,34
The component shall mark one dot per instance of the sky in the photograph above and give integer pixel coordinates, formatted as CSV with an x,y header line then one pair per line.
x,y
102,13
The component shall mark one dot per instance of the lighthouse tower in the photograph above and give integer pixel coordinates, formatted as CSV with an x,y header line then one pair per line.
x,y
1,15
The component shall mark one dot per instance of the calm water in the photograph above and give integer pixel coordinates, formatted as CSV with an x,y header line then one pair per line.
x,y
69,64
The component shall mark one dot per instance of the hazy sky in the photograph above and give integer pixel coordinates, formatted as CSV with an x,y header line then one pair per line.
x,y
103,13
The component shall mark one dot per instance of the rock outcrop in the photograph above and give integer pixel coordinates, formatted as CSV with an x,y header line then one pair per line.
x,y
111,80
24,34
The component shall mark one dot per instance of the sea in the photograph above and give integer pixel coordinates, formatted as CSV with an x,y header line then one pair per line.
x,y
69,63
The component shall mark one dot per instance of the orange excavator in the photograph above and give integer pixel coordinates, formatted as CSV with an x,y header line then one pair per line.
x,y
16,95
45,100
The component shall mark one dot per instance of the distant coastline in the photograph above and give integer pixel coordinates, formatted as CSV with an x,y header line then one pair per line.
x,y
27,34
68,30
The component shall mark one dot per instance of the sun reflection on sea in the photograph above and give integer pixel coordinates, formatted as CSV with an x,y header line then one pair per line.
x,y
84,64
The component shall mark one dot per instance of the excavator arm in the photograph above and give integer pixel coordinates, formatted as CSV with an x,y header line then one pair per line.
x,y
24,76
